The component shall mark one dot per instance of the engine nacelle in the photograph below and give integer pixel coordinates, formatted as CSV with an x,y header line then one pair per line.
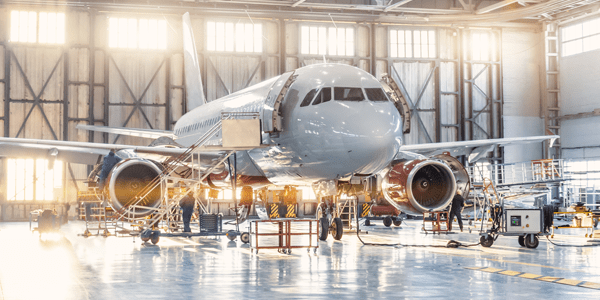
x,y
423,185
127,179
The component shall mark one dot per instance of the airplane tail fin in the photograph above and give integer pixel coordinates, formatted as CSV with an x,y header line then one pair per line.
x,y
193,79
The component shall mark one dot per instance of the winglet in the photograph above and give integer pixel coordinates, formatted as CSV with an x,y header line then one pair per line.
x,y
193,79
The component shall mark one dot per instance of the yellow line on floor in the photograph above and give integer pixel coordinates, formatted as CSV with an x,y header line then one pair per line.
x,y
571,282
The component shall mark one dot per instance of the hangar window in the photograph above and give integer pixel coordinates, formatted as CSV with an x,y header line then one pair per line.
x,y
324,96
348,94
581,37
412,43
230,37
31,27
309,97
32,180
320,40
137,33
376,94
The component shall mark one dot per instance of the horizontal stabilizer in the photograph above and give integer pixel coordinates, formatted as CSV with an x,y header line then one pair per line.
x,y
144,133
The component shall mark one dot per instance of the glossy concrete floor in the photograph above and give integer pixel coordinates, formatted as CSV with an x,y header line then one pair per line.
x,y
74,267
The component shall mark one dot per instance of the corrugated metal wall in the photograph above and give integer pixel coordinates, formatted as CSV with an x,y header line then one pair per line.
x,y
144,89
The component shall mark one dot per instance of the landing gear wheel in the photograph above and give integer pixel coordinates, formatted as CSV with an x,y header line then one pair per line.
x,y
398,222
324,229
231,235
367,222
595,223
155,237
145,235
531,244
245,238
387,221
522,241
337,229
486,241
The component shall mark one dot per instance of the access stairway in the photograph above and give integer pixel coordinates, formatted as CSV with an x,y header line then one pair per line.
x,y
168,209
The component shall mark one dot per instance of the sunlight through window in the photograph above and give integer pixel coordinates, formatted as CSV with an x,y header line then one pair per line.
x,y
137,33
230,37
32,180
31,27
581,37
320,40
412,43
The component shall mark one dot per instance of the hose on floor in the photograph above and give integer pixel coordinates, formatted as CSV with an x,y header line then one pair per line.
x,y
570,245
450,244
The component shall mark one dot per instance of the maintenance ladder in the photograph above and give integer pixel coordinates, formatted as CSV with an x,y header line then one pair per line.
x,y
168,210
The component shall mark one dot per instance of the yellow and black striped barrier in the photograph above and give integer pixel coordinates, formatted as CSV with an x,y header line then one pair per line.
x,y
572,282
366,209
274,214
291,211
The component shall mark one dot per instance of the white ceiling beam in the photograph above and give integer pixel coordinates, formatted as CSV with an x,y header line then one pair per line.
x,y
399,3
298,3
504,3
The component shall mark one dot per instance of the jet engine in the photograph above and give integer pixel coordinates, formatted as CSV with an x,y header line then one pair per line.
x,y
422,185
130,179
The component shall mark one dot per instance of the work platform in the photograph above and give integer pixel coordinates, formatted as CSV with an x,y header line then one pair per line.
x,y
216,268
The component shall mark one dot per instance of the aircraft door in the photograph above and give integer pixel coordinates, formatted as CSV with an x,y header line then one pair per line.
x,y
397,96
271,117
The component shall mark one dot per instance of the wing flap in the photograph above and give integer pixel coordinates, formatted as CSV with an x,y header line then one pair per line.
x,y
137,132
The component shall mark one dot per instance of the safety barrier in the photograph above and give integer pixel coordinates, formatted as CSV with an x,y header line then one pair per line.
x,y
286,237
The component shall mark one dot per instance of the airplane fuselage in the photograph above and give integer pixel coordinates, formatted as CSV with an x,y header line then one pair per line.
x,y
345,126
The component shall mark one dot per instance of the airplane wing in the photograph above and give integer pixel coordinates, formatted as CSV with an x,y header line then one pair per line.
x,y
144,133
474,149
75,152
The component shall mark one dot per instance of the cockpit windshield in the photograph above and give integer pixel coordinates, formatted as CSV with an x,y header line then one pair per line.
x,y
324,96
376,94
348,94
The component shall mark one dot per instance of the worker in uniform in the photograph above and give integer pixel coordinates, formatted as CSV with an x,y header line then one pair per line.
x,y
110,160
456,210
187,204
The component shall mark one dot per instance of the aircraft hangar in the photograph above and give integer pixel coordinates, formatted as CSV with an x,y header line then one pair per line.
x,y
299,149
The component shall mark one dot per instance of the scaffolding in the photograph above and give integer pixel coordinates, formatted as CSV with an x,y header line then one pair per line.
x,y
166,216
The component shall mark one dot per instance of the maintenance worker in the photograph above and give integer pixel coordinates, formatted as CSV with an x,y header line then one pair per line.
x,y
187,204
457,205
110,160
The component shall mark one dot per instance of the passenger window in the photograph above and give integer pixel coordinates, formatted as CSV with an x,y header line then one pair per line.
x,y
348,94
309,97
324,96
376,94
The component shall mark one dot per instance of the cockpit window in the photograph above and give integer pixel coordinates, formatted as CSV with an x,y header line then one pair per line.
x,y
309,97
376,94
324,96
348,94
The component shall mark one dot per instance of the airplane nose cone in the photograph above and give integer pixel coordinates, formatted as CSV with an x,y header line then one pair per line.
x,y
374,136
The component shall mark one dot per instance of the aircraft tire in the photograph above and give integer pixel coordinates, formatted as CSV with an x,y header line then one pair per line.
x,y
337,229
324,229
245,237
397,222
155,237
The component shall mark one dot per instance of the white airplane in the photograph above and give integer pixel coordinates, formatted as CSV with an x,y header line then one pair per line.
x,y
322,125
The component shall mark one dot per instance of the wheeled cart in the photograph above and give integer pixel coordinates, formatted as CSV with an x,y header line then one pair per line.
x,y
526,224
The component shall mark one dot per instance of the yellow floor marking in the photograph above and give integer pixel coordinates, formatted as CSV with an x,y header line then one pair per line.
x,y
491,270
509,273
569,281
591,285
530,276
549,278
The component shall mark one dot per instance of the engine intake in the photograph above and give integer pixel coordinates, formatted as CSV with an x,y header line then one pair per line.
x,y
127,179
420,185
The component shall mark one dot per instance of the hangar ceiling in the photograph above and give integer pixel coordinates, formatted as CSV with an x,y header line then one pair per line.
x,y
409,11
